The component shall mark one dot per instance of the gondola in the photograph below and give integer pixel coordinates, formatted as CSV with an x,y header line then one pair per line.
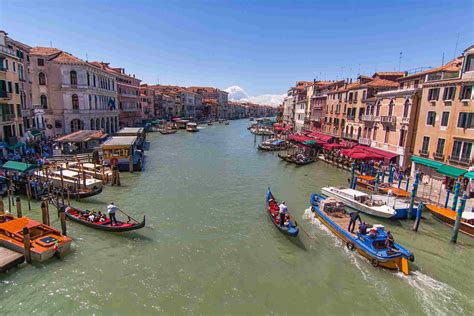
x,y
74,214
302,162
274,213
168,131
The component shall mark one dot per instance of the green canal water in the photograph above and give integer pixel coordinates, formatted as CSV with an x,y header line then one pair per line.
x,y
209,247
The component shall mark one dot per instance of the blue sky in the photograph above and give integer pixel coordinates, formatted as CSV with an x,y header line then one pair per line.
x,y
261,46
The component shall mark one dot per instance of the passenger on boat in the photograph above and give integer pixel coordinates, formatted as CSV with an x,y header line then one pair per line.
x,y
354,217
363,228
111,210
390,240
101,217
373,232
283,211
91,217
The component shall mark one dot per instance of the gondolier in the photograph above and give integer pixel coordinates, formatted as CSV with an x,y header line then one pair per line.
x,y
283,211
111,210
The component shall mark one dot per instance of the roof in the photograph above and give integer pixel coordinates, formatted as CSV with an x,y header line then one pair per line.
x,y
389,73
44,51
381,83
120,141
130,130
56,55
81,136
453,65
18,166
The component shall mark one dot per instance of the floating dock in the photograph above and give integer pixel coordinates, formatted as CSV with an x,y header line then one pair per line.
x,y
9,259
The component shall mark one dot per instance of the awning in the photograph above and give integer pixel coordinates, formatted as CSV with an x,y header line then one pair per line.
x,y
451,171
426,162
299,138
18,166
320,136
385,154
332,146
309,142
469,175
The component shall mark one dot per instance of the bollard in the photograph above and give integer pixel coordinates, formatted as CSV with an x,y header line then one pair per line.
x,y
457,186
19,214
447,198
400,178
353,167
366,168
408,183
390,173
45,212
62,217
416,225
130,164
27,244
457,223
412,199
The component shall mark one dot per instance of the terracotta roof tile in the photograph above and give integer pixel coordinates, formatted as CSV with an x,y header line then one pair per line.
x,y
453,65
381,83
44,51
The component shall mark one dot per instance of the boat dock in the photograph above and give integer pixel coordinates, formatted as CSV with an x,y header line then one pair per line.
x,y
9,259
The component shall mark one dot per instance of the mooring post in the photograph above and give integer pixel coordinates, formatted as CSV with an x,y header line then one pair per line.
x,y
400,178
377,180
62,217
2,207
412,199
408,183
416,225
45,212
353,167
390,173
448,191
354,184
457,223
457,186
19,213
26,244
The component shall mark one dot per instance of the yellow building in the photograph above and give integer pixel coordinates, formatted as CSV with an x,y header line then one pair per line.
x,y
10,75
445,130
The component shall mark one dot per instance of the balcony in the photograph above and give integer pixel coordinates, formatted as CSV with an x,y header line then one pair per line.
x,y
365,141
370,118
438,156
405,120
6,96
464,161
351,118
8,117
7,50
388,119
423,152
3,69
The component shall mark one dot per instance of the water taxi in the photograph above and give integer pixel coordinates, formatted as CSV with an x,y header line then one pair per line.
x,y
192,127
43,238
373,245
448,217
375,205
123,151
181,124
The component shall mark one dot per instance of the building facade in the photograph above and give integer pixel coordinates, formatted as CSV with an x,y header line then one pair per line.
x,y
70,94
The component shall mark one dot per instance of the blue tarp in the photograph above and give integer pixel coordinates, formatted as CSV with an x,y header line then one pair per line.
x,y
277,142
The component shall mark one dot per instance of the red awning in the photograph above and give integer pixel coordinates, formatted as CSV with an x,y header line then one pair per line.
x,y
385,154
361,154
298,138
332,146
320,136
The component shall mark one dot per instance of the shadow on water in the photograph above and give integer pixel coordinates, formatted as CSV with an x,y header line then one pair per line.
x,y
297,242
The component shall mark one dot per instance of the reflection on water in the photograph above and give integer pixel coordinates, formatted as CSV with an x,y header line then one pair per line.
x,y
209,248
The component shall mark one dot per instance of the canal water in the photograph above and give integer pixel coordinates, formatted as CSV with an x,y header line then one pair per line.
x,y
210,248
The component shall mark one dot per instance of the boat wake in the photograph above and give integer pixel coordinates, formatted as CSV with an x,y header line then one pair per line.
x,y
436,298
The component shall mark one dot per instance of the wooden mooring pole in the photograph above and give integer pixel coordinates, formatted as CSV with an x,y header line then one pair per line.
x,y
27,244
62,217
45,212
18,207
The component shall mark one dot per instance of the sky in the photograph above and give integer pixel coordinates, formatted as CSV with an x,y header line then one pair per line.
x,y
264,47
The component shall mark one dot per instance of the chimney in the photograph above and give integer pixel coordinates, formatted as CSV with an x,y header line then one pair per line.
x,y
3,34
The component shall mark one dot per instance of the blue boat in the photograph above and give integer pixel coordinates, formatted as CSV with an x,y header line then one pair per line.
x,y
372,245
273,209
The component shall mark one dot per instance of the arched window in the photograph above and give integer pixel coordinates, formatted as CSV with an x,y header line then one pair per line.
x,y
75,102
42,79
73,77
92,124
97,124
107,129
390,108
76,125
406,108
44,101
102,123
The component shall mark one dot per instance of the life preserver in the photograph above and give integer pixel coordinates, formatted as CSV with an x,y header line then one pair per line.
x,y
375,262
350,246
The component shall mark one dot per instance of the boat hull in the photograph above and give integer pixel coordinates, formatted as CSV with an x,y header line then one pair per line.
x,y
284,230
449,221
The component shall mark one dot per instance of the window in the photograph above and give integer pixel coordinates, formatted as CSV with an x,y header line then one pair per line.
x,y
390,108
75,102
466,120
73,77
431,118
417,83
426,144
40,62
469,63
466,151
14,66
466,93
445,119
17,88
42,79
387,134
433,94
44,101
88,79
402,85
449,93
440,146
406,108
401,140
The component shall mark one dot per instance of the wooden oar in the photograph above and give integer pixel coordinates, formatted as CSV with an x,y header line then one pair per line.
x,y
128,216
304,231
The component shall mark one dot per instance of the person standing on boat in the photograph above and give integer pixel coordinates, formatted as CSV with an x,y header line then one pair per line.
x,y
111,210
354,217
283,211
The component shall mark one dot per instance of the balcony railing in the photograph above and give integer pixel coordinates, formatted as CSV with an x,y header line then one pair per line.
x,y
423,152
7,50
388,119
365,141
351,118
8,117
460,160
438,156
370,118
6,95
3,69
405,120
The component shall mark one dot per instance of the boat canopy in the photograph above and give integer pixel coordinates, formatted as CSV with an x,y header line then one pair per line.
x,y
278,142
353,192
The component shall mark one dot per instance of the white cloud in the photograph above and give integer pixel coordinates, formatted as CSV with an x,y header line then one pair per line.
x,y
236,93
